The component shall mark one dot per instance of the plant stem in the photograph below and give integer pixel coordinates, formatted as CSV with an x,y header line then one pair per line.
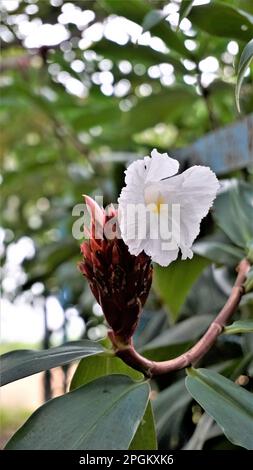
x,y
131,357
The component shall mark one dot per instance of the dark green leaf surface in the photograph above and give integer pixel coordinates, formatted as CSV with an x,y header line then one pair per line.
x,y
101,365
145,436
103,414
227,403
18,364
91,368
219,19
177,278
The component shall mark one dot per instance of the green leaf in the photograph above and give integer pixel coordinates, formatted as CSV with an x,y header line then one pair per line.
x,y
185,8
103,414
245,59
145,436
249,281
218,249
92,368
174,282
240,326
152,18
177,339
210,18
228,404
18,364
233,211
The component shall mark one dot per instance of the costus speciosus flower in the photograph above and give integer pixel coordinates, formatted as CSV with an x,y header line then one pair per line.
x,y
160,211
119,281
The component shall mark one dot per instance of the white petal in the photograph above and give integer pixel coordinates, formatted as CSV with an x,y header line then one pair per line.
x,y
133,234
151,181
195,190
154,249
186,252
136,173
160,166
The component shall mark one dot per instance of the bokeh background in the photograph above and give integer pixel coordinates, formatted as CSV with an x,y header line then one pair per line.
x,y
86,87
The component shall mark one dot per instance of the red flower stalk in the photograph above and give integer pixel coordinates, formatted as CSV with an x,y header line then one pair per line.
x,y
119,281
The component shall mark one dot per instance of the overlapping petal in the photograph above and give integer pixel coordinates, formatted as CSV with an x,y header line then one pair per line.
x,y
152,180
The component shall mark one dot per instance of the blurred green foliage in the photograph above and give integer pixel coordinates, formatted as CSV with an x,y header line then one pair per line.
x,y
76,112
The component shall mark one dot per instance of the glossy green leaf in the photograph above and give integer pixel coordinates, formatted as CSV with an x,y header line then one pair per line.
x,y
240,326
233,211
245,59
101,365
145,436
92,368
210,18
227,403
15,365
174,282
103,414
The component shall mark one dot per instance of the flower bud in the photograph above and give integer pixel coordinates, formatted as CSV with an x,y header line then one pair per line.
x,y
119,281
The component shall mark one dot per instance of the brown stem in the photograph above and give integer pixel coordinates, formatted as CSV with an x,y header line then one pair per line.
x,y
131,357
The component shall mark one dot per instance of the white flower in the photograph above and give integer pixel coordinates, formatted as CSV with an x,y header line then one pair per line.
x,y
150,183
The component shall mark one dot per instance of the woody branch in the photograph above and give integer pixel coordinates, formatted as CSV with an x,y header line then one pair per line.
x,y
150,368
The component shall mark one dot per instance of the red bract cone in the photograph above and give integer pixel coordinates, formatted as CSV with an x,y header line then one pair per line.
x,y
119,281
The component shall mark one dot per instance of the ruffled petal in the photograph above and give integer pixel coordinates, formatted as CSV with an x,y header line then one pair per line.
x,y
160,166
194,190
135,173
150,183
155,250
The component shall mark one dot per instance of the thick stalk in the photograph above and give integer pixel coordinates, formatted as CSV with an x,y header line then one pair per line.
x,y
131,357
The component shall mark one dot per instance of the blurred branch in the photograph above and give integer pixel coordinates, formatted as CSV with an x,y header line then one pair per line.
x,y
150,368
205,93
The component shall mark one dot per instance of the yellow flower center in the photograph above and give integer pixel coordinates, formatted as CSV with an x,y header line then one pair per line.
x,y
154,200
157,205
